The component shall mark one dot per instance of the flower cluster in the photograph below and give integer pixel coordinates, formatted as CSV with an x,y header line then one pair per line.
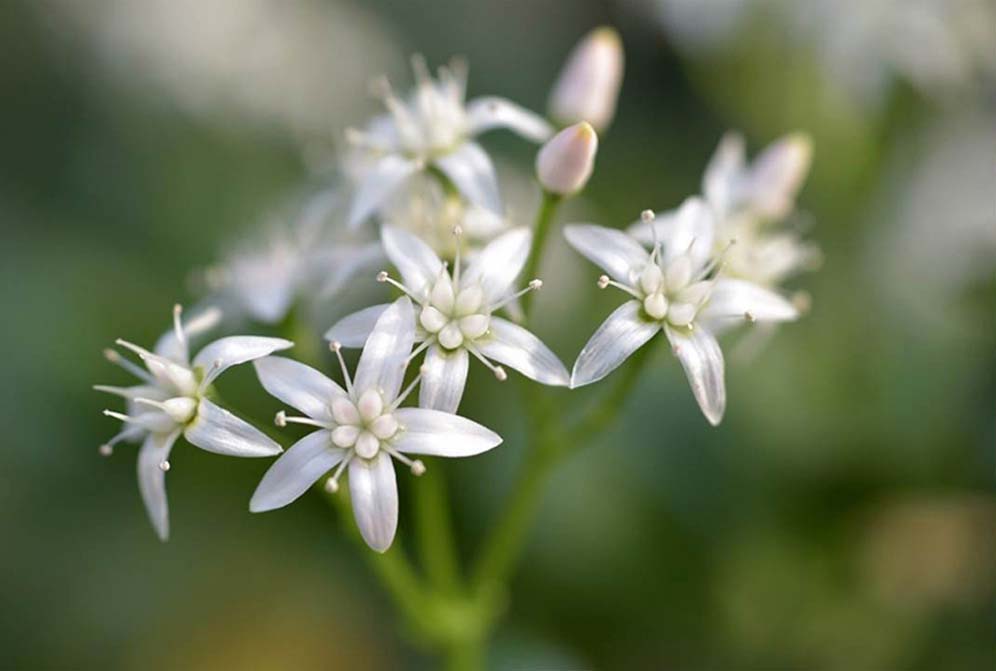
x,y
457,254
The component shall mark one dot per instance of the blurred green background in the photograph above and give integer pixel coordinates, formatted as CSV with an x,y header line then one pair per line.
x,y
841,517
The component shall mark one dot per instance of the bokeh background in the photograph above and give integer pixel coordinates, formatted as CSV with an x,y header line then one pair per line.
x,y
842,516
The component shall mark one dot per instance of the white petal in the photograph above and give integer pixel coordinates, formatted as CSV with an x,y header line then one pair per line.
x,y
491,112
444,375
373,489
471,171
514,346
732,300
152,479
776,175
497,265
353,330
298,386
724,174
418,264
624,332
691,232
442,434
613,251
222,354
377,185
217,430
702,360
203,320
382,364
295,471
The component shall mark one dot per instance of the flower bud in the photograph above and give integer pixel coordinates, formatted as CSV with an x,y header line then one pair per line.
x,y
564,164
588,85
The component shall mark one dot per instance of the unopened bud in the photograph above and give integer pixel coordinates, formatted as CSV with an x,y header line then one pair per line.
x,y
565,163
588,86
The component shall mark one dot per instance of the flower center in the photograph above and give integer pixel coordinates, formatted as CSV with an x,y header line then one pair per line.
x,y
672,293
454,317
363,425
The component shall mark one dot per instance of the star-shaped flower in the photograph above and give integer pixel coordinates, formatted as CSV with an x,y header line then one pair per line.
x,y
361,427
172,400
675,288
434,128
456,315
748,199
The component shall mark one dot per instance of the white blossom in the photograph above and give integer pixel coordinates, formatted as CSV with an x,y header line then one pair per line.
x,y
294,257
588,86
434,127
172,399
456,315
565,163
749,200
361,427
675,288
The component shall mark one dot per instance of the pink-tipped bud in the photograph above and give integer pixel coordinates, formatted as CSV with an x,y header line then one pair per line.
x,y
565,163
588,86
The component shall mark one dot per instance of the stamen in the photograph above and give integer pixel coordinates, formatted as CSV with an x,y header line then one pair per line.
x,y
604,282
332,484
336,347
178,326
107,449
497,370
210,375
123,392
648,217
717,263
114,357
140,351
281,419
416,465
532,286
164,466
120,415
749,316
382,277
423,369
418,350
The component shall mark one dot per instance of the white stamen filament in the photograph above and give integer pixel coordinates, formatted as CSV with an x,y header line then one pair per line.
x,y
336,347
416,465
408,390
604,281
533,285
383,276
497,370
281,419
457,233
114,357
332,484
178,326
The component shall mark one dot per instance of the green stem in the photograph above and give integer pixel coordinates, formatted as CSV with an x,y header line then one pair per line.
x,y
553,441
392,568
544,218
435,531
465,655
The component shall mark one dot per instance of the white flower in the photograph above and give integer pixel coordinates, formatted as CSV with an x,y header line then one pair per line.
x,y
291,257
456,315
588,86
362,428
747,200
434,128
675,288
171,399
565,163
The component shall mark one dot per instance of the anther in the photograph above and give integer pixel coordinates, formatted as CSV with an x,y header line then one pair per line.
x,y
535,284
647,216
331,485
382,276
163,466
749,316
106,450
418,468
500,374
336,347
603,281
280,419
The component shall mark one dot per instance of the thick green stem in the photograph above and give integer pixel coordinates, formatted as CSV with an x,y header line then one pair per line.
x,y
466,655
544,220
435,531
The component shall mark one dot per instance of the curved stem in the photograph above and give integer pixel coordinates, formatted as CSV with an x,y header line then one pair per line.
x,y
435,531
541,230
